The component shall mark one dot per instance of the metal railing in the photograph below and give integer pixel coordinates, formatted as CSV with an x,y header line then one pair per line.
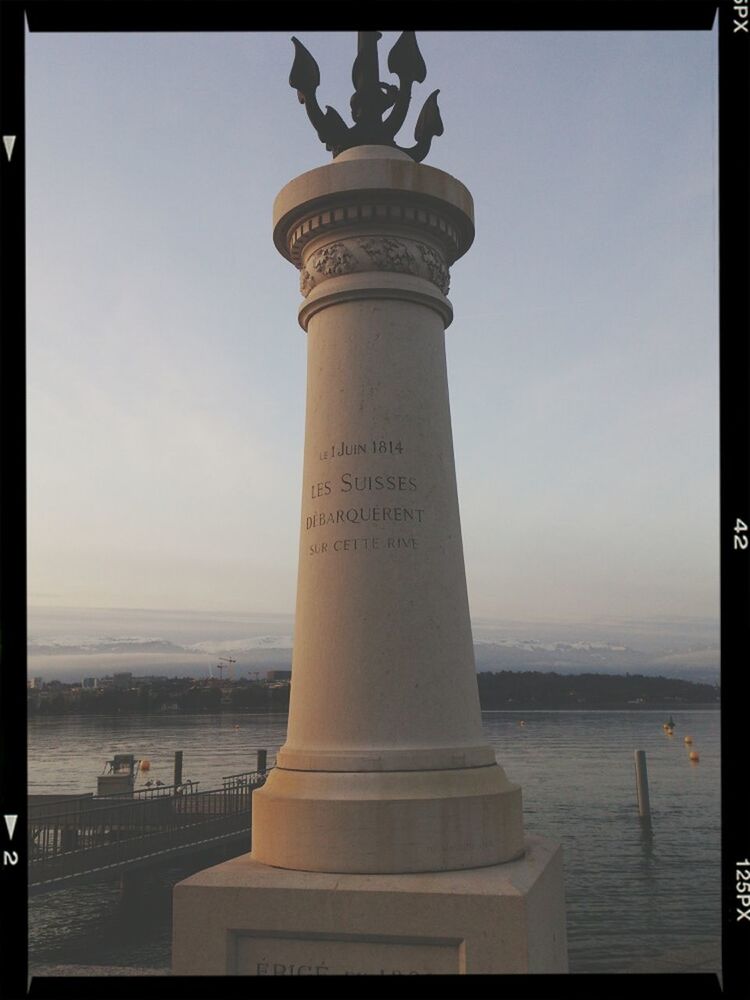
x,y
156,791
245,778
94,833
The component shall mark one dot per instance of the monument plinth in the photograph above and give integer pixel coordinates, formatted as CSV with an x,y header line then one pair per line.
x,y
385,779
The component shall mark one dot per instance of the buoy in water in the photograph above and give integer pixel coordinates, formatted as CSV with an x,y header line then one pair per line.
x,y
145,764
688,740
521,723
694,756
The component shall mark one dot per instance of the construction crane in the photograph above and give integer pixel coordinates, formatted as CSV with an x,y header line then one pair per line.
x,y
220,666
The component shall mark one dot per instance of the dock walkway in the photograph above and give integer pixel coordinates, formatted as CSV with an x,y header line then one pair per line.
x,y
73,839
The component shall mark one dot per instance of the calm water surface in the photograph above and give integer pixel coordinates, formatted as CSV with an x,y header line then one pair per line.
x,y
630,897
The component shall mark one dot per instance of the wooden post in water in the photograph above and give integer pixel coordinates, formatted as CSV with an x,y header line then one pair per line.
x,y
641,785
177,768
261,765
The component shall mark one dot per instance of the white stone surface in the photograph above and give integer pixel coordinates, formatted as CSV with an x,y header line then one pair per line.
x,y
389,821
257,920
387,839
383,675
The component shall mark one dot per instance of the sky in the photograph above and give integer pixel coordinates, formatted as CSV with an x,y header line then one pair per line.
x,y
166,368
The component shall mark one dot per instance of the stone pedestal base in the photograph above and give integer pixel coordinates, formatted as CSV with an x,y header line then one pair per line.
x,y
245,918
383,822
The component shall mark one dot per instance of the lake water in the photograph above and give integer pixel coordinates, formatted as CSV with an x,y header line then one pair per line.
x,y
631,898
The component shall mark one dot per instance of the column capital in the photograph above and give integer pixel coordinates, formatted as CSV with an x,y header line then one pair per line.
x,y
373,210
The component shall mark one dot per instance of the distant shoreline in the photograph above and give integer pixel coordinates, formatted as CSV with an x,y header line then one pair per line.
x,y
509,691
655,708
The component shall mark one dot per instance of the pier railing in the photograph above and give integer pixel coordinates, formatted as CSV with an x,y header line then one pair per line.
x,y
229,782
157,791
232,781
68,838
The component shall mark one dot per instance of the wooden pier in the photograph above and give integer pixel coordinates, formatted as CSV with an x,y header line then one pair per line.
x,y
73,839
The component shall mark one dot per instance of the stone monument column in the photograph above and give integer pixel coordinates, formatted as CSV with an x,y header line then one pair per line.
x,y
387,839
385,768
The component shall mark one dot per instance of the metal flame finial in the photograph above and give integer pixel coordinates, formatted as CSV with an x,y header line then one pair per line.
x,y
372,98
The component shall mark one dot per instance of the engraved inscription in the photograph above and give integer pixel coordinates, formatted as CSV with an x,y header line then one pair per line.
x,y
356,515
351,484
362,484
374,447
320,489
363,544
351,955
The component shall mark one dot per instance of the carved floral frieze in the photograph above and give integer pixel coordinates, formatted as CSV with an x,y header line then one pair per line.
x,y
388,254
332,260
374,253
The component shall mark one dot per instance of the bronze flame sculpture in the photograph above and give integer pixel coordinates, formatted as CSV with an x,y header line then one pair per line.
x,y
371,98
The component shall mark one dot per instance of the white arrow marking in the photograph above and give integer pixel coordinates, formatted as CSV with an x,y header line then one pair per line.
x,y
9,141
10,822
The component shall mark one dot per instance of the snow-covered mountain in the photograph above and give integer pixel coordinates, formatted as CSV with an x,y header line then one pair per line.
x,y
70,643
